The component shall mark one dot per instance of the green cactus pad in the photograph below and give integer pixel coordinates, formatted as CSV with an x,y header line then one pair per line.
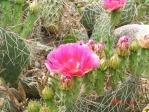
x,y
90,13
13,57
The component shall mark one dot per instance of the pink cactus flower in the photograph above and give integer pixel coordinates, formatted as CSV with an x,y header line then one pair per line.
x,y
72,59
123,45
114,4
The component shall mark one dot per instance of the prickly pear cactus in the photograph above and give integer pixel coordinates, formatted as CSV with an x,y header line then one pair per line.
x,y
102,28
12,16
51,13
90,13
129,12
14,55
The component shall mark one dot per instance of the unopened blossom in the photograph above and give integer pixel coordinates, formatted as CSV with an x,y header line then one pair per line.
x,y
71,59
103,64
66,82
123,46
114,4
114,61
91,44
134,46
100,49
144,42
80,42
47,93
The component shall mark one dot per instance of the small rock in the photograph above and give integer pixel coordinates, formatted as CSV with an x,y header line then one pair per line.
x,y
134,31
37,64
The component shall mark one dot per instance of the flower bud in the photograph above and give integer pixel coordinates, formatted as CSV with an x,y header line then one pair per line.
x,y
134,46
80,42
103,64
123,46
47,93
45,109
144,42
33,106
91,44
33,6
114,61
66,83
100,49
2,101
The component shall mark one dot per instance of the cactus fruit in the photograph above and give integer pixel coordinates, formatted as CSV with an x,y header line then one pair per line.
x,y
143,60
99,84
114,64
144,55
122,69
114,78
14,56
134,57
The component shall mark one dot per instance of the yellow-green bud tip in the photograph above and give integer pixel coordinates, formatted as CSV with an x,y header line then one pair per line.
x,y
45,109
114,61
103,64
134,46
47,93
33,6
33,106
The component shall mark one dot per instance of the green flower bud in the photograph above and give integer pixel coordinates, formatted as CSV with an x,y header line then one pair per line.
x,y
45,109
47,93
33,106
33,7
103,64
78,5
134,46
114,61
